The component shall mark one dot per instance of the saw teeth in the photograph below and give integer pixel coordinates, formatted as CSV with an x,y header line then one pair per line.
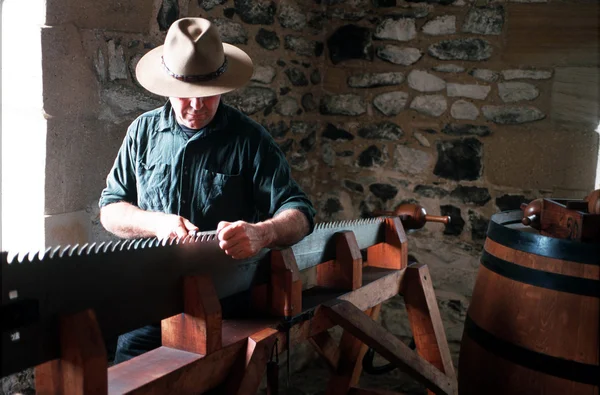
x,y
82,249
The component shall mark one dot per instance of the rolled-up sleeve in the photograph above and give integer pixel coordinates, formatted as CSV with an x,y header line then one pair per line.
x,y
121,182
274,188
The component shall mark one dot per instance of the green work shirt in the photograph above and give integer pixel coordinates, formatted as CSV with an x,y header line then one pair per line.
x,y
231,170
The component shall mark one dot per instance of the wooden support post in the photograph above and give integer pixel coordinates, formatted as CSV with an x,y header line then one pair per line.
x,y
345,272
82,368
327,348
198,329
351,354
249,369
286,285
393,253
388,346
425,320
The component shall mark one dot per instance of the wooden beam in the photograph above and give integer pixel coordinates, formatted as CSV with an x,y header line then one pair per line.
x,y
83,366
345,272
286,285
393,254
388,346
198,329
425,320
248,371
351,354
327,348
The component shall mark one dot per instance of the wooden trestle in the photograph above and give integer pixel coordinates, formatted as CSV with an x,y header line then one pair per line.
x,y
201,351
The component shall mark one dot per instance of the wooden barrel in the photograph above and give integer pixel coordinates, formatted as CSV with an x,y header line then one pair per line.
x,y
532,326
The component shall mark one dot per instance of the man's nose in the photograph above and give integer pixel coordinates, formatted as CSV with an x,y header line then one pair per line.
x,y
197,103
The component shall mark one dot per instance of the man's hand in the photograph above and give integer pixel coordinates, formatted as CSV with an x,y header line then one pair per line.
x,y
172,226
242,240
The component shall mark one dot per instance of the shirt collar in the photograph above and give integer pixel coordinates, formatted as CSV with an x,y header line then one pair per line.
x,y
168,121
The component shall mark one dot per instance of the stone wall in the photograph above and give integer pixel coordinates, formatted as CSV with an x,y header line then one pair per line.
x,y
468,107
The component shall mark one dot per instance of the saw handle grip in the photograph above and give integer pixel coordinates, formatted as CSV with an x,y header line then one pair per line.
x,y
413,216
532,213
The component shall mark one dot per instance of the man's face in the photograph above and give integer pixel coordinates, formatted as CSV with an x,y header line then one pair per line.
x,y
195,113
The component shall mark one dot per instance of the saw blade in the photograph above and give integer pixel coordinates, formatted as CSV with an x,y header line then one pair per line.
x,y
142,278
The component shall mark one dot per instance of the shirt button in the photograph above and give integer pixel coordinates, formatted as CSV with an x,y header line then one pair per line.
x,y
183,201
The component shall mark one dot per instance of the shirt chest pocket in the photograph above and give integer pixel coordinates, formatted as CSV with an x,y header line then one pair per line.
x,y
154,183
222,195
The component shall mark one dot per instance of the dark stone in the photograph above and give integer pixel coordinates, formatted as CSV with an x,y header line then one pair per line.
x,y
459,159
133,43
430,131
251,99
281,63
456,305
267,39
315,77
296,76
286,146
510,202
475,195
303,46
269,109
484,20
284,91
344,154
479,226
256,12
317,21
442,2
168,13
370,157
416,12
384,192
350,42
308,102
365,211
381,131
472,49
210,4
303,128
456,129
457,224
332,206
333,133
345,104
278,130
306,65
354,186
294,61
430,191
229,12
384,3
308,142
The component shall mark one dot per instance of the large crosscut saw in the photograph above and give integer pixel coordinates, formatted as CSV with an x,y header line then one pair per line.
x,y
142,278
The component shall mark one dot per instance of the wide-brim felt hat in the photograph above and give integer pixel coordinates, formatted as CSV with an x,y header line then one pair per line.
x,y
193,62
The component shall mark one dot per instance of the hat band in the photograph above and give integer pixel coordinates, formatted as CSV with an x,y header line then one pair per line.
x,y
197,77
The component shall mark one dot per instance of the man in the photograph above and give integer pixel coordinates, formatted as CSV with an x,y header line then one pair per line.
x,y
197,164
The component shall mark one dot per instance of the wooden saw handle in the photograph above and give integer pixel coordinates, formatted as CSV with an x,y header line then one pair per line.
x,y
413,216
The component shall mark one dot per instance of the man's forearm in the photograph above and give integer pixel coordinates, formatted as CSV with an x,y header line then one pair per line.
x,y
286,229
128,221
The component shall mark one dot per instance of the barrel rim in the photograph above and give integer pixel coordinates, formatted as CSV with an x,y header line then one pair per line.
x,y
568,250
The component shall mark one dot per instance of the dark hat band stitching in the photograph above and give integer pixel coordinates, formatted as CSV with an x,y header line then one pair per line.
x,y
197,77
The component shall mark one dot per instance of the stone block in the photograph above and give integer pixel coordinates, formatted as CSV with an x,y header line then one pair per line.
x,y
67,229
70,86
124,16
